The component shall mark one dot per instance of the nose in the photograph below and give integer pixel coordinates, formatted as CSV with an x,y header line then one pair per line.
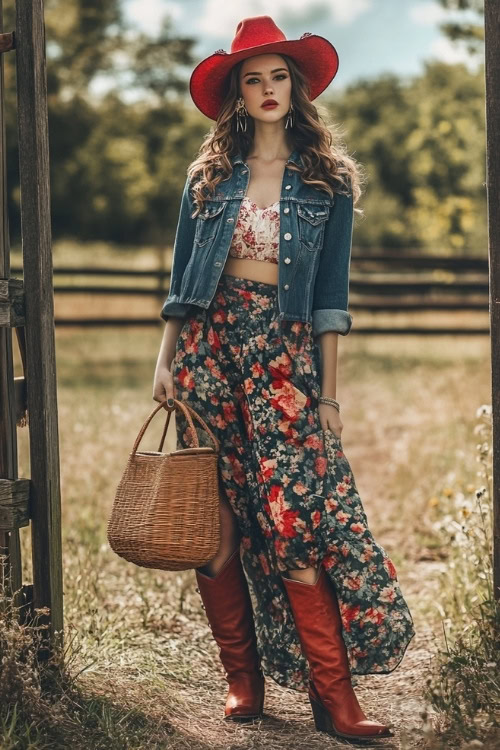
x,y
268,89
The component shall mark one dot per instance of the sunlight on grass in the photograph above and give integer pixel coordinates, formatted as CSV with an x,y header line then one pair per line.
x,y
139,638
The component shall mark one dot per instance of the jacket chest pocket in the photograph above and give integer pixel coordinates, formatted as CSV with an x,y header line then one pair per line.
x,y
208,223
312,221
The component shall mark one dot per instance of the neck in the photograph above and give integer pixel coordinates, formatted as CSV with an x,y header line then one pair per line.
x,y
270,142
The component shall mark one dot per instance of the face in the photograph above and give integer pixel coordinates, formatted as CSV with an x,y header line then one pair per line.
x,y
265,77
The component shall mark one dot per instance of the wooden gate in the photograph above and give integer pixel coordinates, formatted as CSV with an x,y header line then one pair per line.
x,y
28,308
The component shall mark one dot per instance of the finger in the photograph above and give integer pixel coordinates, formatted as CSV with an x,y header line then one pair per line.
x,y
335,429
160,392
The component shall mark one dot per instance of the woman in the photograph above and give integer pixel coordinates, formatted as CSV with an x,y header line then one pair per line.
x,y
299,590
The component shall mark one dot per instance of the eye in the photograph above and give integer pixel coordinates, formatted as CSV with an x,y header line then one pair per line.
x,y
278,75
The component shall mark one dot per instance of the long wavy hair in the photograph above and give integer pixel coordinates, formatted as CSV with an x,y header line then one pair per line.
x,y
327,165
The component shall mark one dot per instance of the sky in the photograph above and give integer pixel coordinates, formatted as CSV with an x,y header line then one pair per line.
x,y
371,36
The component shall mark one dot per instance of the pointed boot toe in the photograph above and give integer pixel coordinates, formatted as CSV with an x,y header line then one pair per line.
x,y
319,626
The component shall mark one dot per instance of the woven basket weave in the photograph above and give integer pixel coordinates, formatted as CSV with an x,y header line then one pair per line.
x,y
165,513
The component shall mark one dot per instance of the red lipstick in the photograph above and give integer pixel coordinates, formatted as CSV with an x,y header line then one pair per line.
x,y
269,104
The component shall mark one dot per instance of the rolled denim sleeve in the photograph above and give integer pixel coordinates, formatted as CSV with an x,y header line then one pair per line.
x,y
331,288
183,247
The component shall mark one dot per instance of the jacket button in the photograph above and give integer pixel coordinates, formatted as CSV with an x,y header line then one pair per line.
x,y
288,260
229,221
286,210
288,187
287,236
286,287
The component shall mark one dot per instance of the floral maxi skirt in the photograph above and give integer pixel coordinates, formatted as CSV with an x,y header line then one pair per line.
x,y
256,381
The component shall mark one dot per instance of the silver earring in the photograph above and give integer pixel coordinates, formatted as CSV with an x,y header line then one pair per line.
x,y
241,115
289,118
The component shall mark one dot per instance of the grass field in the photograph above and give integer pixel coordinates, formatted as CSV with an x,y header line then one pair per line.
x,y
148,669
139,649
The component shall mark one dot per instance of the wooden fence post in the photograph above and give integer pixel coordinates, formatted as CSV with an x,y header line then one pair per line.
x,y
45,500
10,574
492,72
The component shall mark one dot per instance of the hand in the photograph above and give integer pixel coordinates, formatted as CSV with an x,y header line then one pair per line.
x,y
329,418
163,386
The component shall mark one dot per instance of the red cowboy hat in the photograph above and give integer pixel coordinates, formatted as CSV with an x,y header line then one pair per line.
x,y
316,56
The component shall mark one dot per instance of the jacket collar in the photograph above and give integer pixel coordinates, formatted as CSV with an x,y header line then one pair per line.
x,y
294,156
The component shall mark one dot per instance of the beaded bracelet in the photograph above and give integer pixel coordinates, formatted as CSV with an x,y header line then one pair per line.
x,y
330,401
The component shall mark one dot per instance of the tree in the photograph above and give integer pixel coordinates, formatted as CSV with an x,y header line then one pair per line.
x,y
117,167
422,144
469,31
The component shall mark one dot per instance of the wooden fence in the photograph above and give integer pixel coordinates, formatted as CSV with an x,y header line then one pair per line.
x,y
379,283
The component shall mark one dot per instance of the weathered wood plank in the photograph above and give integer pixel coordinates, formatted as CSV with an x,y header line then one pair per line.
x,y
11,570
39,309
7,41
11,303
492,75
14,503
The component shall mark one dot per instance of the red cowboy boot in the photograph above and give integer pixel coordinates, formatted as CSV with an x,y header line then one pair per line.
x,y
317,617
227,602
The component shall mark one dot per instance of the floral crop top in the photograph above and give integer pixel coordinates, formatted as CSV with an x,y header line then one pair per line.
x,y
256,234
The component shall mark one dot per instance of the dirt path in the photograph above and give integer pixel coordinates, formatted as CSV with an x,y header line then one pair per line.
x,y
180,690
408,408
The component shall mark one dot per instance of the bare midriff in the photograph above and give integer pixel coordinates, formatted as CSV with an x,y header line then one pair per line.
x,y
255,270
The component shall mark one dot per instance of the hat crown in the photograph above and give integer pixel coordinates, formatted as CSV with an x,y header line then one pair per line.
x,y
251,32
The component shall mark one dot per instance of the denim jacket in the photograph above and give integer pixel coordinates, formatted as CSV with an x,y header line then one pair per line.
x,y
314,249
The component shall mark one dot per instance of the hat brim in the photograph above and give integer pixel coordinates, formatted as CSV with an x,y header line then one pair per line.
x,y
317,57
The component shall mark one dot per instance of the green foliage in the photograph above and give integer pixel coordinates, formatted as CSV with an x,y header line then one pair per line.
x,y
469,31
423,145
118,160
42,705
465,685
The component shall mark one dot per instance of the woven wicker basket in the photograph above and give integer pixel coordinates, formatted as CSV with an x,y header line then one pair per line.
x,y
165,513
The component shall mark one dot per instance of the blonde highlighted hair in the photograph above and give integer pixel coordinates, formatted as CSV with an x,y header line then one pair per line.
x,y
327,165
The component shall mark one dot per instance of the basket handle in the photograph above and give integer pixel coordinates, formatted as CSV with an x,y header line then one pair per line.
x,y
186,409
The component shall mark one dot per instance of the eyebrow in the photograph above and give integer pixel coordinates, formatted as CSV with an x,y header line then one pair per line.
x,y
255,73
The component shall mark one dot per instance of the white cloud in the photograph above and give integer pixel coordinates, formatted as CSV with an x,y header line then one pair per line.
x,y
428,14
346,12
217,18
431,14
452,52
147,15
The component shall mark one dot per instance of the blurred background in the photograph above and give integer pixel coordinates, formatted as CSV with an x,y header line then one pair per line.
x,y
123,128
409,96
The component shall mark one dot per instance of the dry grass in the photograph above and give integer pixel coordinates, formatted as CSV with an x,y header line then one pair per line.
x,y
139,638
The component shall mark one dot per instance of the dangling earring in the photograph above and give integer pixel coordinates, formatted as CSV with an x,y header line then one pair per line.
x,y
289,118
241,114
